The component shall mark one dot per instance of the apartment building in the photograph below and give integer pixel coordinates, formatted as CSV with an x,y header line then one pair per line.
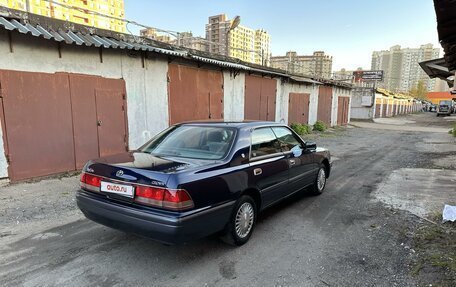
x,y
184,39
85,12
317,65
153,34
187,40
243,43
344,74
401,67
262,46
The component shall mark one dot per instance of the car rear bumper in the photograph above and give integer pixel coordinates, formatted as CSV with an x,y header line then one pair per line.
x,y
166,227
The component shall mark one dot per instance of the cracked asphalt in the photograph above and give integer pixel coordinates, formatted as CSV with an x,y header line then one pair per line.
x,y
345,237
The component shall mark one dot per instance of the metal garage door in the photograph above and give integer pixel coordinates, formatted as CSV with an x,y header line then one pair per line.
x,y
324,104
378,110
51,122
384,107
194,94
298,108
260,98
99,117
342,110
38,125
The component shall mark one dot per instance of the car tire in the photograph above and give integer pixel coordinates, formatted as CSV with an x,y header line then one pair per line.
x,y
320,181
242,222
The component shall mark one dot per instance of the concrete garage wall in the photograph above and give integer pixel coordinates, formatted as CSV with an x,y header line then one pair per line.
x,y
234,90
359,111
283,92
146,82
147,95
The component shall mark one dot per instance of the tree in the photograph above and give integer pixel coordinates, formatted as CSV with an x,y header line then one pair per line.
x,y
419,91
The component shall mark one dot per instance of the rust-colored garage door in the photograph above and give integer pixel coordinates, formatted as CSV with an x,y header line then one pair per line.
x,y
384,107
99,117
342,110
298,108
324,104
260,98
377,110
38,130
194,94
50,121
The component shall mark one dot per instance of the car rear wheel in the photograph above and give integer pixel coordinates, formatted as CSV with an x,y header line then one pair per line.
x,y
320,182
242,221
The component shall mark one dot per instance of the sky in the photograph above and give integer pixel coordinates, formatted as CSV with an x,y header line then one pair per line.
x,y
348,30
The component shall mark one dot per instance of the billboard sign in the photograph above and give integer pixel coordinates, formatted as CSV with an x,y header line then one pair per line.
x,y
368,76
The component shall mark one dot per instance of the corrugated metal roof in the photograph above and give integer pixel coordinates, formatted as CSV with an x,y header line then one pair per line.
x,y
304,80
80,39
220,63
136,43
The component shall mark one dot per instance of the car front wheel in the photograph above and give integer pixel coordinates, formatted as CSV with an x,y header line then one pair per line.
x,y
320,182
241,224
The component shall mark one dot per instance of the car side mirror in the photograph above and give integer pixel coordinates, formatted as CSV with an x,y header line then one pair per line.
x,y
310,145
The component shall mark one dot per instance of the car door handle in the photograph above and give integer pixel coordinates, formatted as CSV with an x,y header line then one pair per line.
x,y
292,162
257,171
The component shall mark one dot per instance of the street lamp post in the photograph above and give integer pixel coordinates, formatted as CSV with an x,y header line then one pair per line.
x,y
234,25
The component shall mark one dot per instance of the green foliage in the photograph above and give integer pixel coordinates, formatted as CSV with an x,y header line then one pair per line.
x,y
420,91
320,126
453,131
301,129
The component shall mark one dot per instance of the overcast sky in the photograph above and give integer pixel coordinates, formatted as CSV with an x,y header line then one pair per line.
x,y
348,30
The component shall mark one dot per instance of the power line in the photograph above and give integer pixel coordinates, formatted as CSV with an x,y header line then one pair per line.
x,y
87,11
126,21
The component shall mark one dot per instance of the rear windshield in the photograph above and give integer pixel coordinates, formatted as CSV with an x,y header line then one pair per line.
x,y
448,103
197,142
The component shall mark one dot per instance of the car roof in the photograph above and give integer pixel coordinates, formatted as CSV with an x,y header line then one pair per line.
x,y
234,124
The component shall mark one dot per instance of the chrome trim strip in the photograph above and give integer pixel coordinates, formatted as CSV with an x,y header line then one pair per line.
x,y
270,158
128,182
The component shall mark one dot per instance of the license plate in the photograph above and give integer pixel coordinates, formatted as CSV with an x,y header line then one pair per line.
x,y
121,189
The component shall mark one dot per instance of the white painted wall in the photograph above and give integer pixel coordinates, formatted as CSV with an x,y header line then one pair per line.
x,y
283,94
358,111
334,106
234,99
147,95
3,163
147,87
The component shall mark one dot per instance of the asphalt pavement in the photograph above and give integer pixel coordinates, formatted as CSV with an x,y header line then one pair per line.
x,y
345,237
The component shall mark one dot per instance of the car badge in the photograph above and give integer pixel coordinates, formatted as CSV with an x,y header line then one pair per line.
x,y
119,173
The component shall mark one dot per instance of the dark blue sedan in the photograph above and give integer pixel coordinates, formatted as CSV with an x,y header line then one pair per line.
x,y
200,178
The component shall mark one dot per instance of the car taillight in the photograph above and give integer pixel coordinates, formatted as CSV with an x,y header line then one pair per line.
x,y
90,182
165,198
177,199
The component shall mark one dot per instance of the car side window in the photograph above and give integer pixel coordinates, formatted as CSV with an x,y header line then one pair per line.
x,y
264,142
287,140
